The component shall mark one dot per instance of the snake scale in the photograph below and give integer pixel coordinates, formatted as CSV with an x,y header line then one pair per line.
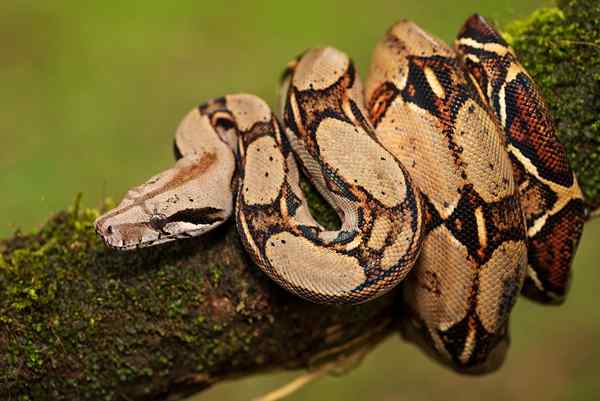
x,y
444,166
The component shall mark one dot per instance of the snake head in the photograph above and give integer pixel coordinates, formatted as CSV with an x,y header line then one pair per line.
x,y
185,201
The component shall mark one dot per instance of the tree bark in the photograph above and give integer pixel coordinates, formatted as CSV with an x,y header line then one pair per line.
x,y
81,322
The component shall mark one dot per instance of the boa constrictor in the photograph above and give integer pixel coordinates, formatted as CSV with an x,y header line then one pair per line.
x,y
449,170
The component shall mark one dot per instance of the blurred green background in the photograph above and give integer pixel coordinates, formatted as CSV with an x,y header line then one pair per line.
x,y
92,93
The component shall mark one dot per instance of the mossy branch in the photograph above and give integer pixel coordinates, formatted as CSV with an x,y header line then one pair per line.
x,y
80,322
560,48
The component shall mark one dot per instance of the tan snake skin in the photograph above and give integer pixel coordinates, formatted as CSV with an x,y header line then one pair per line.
x,y
432,181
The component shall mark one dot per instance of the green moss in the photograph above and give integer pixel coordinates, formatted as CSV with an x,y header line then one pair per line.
x,y
319,208
64,293
32,271
560,48
28,282
215,272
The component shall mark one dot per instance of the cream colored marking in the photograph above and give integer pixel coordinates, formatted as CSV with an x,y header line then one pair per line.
x,y
532,274
297,119
373,167
445,326
470,342
398,249
477,87
414,136
441,283
490,47
321,270
390,61
356,94
389,64
482,144
430,147
417,41
574,190
438,342
524,185
472,57
564,194
248,236
538,224
302,214
353,244
283,206
508,264
263,177
481,230
434,83
320,68
379,232
513,71
195,134
490,90
248,110
502,103
535,278
410,133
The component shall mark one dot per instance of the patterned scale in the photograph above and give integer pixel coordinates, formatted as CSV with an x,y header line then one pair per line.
x,y
549,193
450,178
473,260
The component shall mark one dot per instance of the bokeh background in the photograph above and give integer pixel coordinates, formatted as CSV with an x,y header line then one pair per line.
x,y
92,92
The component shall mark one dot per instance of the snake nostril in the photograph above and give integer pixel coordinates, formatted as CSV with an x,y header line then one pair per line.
x,y
109,230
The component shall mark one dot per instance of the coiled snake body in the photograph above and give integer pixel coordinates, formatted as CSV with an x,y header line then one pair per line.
x,y
449,170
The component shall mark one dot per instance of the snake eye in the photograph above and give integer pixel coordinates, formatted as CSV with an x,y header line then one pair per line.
x,y
222,119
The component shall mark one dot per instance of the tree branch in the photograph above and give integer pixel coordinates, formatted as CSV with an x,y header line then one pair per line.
x,y
78,321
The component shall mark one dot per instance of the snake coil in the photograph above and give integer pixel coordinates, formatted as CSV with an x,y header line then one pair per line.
x,y
445,166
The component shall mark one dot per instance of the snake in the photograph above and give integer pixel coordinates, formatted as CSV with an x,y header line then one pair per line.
x,y
443,168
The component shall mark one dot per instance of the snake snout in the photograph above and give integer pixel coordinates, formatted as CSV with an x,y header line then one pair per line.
x,y
109,233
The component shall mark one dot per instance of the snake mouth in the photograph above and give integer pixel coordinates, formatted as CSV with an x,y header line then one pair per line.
x,y
121,245
158,229
125,237
137,245
115,240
